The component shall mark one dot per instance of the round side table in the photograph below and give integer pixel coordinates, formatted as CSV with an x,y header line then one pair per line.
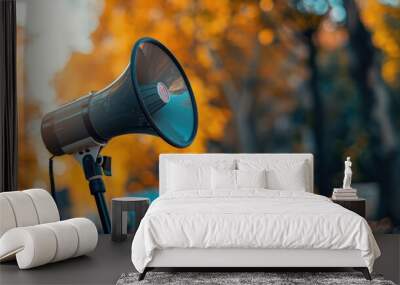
x,y
120,208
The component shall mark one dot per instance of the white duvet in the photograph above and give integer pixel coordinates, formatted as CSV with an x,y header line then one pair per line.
x,y
250,219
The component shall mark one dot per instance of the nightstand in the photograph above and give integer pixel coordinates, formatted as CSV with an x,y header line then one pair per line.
x,y
356,205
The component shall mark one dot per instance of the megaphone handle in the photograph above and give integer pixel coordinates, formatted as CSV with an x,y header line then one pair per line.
x,y
93,174
96,189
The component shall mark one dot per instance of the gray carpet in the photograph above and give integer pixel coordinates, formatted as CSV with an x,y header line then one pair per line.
x,y
229,278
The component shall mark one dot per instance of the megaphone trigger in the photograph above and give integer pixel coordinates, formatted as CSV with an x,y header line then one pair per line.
x,y
106,165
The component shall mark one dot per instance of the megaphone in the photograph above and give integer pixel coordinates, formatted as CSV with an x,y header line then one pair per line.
x,y
152,96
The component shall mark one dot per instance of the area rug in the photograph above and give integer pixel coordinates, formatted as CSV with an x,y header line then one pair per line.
x,y
243,278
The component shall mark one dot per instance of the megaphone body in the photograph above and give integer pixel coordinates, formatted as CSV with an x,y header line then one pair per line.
x,y
152,96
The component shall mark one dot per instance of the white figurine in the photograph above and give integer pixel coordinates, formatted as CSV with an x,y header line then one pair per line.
x,y
347,174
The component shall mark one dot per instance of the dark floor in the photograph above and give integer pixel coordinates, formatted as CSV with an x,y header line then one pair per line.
x,y
389,263
110,260
103,266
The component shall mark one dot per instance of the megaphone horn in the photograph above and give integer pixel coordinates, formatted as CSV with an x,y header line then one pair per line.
x,y
141,100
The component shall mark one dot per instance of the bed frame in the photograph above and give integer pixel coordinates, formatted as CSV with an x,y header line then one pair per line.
x,y
246,258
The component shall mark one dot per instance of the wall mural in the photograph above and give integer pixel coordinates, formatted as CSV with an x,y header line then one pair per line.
x,y
269,76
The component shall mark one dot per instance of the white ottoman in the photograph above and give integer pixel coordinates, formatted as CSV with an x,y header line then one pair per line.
x,y
31,232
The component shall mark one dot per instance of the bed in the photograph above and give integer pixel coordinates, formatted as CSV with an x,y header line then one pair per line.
x,y
246,211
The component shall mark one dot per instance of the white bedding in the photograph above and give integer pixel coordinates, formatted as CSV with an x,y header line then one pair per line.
x,y
251,218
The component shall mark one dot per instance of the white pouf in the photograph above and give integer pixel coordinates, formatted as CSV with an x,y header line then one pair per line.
x,y
31,232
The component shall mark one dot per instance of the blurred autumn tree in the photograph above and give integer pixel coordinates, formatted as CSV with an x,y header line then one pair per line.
x,y
269,76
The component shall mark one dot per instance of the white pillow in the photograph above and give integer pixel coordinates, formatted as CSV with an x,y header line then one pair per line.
x,y
251,178
202,162
289,179
181,177
223,179
281,174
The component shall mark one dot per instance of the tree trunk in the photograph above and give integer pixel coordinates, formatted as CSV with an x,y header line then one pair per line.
x,y
241,101
322,179
246,127
381,147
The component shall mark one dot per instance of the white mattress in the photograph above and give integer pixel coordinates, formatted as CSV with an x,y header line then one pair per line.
x,y
251,219
255,257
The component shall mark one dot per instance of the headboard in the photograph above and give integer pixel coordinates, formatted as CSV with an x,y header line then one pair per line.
x,y
214,157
